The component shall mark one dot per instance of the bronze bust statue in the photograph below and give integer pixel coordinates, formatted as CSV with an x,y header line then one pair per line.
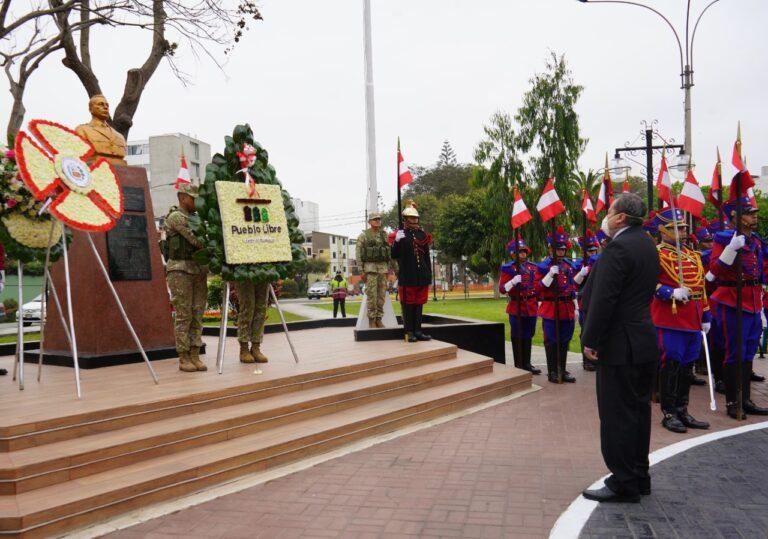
x,y
108,143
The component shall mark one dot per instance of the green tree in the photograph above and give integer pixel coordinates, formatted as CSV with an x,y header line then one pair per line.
x,y
428,206
498,168
459,229
447,156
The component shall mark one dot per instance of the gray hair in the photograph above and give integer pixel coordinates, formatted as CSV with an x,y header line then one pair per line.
x,y
632,206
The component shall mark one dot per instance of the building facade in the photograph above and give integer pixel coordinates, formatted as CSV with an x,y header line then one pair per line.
x,y
161,157
332,248
308,213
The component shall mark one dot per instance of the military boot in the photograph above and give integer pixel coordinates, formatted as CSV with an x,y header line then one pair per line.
x,y
258,357
567,377
527,344
732,383
371,322
194,357
417,316
683,395
518,353
749,406
245,354
408,324
551,352
185,364
669,378
378,323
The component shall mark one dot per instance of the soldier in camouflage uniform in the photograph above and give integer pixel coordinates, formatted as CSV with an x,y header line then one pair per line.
x,y
373,252
187,281
250,320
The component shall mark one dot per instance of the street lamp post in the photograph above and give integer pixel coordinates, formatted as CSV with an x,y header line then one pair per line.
x,y
686,64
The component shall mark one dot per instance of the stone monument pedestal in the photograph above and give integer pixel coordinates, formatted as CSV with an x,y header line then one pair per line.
x,y
131,253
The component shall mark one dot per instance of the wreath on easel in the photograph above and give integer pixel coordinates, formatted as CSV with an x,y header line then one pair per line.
x,y
244,160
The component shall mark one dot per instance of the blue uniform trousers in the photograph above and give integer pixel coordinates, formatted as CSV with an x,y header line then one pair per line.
x,y
566,330
527,326
679,346
751,329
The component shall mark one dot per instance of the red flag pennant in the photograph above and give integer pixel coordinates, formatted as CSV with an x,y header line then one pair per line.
x,y
736,157
520,213
586,207
691,198
664,182
716,188
404,176
549,204
183,176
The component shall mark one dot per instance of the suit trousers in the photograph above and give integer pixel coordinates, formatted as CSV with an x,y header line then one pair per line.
x,y
624,405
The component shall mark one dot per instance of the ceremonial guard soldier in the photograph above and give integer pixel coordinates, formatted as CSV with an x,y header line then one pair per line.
x,y
557,290
589,246
649,225
680,312
726,248
518,281
411,250
374,254
187,281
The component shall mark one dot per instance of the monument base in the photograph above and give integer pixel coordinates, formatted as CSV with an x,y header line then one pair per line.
x,y
87,361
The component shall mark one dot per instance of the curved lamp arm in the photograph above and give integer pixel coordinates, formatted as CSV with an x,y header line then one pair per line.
x,y
695,26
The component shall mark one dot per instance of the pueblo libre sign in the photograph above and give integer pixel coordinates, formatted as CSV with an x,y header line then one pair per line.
x,y
254,227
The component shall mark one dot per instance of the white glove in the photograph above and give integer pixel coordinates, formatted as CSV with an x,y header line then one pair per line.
x,y
729,253
400,235
554,270
705,327
681,294
709,276
2,280
579,277
549,277
512,283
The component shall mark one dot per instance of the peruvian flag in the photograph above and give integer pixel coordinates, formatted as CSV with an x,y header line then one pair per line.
x,y
751,195
183,176
520,213
736,157
404,176
716,189
691,198
625,186
605,196
549,204
586,207
664,183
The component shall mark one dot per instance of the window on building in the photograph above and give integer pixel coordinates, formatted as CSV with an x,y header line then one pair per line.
x,y
344,256
196,170
333,240
309,251
195,150
334,254
334,269
343,241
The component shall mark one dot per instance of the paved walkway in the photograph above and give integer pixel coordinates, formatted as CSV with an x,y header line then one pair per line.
x,y
719,489
307,311
507,471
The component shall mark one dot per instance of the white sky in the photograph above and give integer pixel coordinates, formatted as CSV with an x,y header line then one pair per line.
x,y
441,68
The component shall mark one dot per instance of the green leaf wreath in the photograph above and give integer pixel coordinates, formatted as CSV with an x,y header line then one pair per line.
x,y
206,224
18,207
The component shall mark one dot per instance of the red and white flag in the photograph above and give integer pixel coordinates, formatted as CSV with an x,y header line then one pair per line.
x,y
751,195
586,207
664,183
736,157
605,196
625,186
716,187
520,213
183,176
404,176
549,204
691,199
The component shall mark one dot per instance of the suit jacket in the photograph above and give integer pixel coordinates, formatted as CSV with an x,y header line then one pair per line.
x,y
616,300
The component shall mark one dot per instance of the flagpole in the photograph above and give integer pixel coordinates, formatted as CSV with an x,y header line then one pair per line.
x,y
370,116
720,214
557,301
397,182
519,330
739,278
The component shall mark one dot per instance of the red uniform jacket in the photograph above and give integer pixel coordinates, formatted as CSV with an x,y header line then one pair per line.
x,y
752,265
669,313
526,290
565,290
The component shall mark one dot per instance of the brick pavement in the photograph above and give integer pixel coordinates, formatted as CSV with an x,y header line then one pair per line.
x,y
507,471
702,492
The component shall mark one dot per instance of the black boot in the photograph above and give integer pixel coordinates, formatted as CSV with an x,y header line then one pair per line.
x,y
749,406
551,352
683,395
567,377
669,378
527,345
408,323
421,336
732,384
587,364
756,377
518,353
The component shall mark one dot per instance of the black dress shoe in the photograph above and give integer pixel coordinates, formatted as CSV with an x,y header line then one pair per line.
x,y
731,409
720,387
696,381
552,378
606,495
588,366
532,369
691,422
754,377
410,337
752,408
422,336
673,424
568,378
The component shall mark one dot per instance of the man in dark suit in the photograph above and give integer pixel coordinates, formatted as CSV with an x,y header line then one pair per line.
x,y
618,334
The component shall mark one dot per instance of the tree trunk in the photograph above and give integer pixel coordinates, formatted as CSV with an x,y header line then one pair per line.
x,y
495,281
450,276
16,118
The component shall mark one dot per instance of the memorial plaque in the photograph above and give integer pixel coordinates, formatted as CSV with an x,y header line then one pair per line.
x,y
133,199
128,249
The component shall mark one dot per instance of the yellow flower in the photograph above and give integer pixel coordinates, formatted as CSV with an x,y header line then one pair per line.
x,y
85,197
31,232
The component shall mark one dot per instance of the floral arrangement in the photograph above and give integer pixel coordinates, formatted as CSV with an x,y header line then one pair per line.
x,y
244,160
24,232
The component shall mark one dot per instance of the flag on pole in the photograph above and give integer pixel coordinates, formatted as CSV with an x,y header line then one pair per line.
x,y
520,213
716,188
664,182
183,176
625,186
691,198
549,204
752,199
605,196
586,207
404,176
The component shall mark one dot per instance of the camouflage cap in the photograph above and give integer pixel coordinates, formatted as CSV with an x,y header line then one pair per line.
x,y
374,215
188,189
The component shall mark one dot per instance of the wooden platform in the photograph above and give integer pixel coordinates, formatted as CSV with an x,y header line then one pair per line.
x,y
128,443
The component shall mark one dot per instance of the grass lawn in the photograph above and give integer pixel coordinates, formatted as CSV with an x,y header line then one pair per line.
x,y
492,310
12,338
272,318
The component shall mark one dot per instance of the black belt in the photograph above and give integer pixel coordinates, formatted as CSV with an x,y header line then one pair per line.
x,y
522,296
746,282
560,298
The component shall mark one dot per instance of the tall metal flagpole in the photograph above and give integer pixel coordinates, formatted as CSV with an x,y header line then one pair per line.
x,y
372,196
739,288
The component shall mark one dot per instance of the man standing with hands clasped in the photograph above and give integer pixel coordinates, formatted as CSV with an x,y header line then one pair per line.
x,y
620,337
